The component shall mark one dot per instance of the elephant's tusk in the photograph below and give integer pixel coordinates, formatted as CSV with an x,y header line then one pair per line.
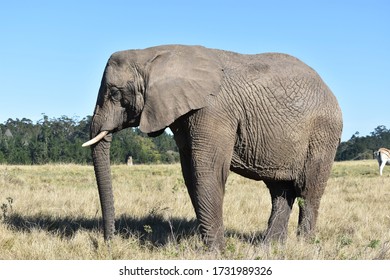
x,y
97,138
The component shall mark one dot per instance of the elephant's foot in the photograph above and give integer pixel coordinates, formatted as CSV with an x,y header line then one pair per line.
x,y
213,239
275,234
216,245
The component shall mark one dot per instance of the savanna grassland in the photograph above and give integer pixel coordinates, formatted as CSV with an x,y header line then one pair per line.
x,y
53,212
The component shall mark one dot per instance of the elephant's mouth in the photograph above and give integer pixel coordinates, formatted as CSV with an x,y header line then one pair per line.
x,y
96,139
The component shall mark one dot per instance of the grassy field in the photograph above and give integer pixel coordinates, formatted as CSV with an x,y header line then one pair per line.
x,y
53,212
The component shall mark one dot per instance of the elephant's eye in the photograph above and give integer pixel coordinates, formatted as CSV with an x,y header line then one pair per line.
x,y
116,94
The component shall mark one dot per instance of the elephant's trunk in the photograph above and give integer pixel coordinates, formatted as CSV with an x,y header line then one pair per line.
x,y
101,162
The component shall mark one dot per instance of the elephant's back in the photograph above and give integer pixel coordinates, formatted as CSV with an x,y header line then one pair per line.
x,y
264,65
277,80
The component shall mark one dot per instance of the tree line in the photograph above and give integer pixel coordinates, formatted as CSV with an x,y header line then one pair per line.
x,y
59,140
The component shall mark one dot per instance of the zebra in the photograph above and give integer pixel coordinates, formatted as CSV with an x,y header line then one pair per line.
x,y
383,157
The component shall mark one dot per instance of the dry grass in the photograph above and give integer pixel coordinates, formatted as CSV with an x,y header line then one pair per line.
x,y
53,212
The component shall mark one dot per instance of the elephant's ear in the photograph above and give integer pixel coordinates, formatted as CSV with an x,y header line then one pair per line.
x,y
180,80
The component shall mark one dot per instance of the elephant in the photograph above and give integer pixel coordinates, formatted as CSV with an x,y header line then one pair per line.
x,y
268,117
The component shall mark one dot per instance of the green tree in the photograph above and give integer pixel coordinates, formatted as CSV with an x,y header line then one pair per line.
x,y
60,140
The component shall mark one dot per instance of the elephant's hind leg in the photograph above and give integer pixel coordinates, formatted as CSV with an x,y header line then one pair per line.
x,y
318,169
308,210
283,196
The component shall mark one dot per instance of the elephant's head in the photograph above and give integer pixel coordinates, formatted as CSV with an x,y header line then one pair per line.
x,y
148,88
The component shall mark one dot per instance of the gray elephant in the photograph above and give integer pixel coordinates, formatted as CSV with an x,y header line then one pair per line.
x,y
266,117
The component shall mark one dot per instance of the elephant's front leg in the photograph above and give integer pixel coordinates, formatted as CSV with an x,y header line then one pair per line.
x,y
205,165
206,184
207,197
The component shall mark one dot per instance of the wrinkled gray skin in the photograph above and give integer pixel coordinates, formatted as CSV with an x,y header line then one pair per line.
x,y
266,117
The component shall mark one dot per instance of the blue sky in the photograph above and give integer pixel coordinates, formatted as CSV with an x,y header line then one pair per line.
x,y
53,52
